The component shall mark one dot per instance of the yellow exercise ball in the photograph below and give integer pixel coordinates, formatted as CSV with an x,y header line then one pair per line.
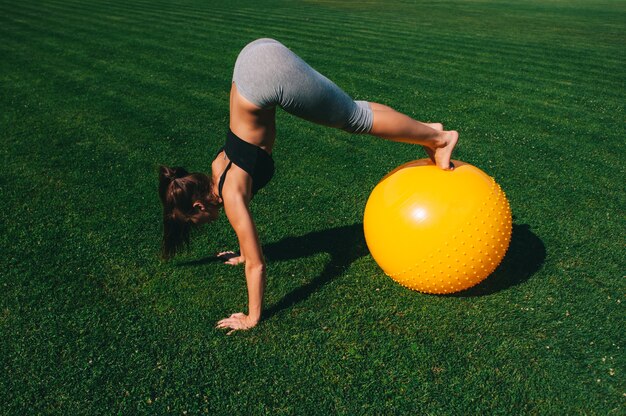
x,y
437,231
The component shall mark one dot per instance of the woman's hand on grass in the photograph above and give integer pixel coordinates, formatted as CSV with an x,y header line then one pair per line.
x,y
230,257
236,322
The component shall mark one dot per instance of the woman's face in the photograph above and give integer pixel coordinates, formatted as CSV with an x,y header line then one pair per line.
x,y
207,212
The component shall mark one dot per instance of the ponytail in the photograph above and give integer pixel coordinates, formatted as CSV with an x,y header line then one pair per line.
x,y
178,190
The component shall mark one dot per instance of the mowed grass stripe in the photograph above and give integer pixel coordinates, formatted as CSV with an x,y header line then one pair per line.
x,y
58,42
129,103
437,49
557,155
195,11
374,63
522,91
74,80
313,25
133,49
55,180
398,33
357,19
357,359
119,147
478,48
157,45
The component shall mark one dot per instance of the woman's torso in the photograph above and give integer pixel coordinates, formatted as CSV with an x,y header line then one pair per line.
x,y
251,123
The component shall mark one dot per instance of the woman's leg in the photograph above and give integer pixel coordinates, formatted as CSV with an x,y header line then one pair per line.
x,y
266,66
382,107
392,125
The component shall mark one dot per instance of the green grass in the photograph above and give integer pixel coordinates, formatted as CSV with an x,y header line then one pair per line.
x,y
96,94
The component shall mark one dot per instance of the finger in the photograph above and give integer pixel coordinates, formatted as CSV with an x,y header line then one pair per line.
x,y
225,323
228,323
231,326
232,318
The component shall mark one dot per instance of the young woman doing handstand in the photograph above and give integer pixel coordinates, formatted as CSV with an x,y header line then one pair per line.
x,y
268,75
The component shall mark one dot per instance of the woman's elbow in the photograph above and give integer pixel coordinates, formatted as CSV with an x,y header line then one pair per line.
x,y
255,267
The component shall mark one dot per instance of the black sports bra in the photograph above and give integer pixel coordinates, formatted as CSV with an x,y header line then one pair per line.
x,y
252,159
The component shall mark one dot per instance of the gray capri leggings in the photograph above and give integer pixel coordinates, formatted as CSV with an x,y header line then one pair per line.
x,y
268,74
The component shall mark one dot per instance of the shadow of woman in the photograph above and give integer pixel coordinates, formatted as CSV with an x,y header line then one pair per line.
x,y
346,244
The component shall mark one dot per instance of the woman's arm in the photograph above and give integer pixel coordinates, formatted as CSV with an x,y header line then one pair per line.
x,y
241,220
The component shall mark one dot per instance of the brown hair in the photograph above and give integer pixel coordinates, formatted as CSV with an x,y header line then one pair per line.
x,y
178,190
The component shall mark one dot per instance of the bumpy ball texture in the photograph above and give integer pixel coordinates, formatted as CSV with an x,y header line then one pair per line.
x,y
437,231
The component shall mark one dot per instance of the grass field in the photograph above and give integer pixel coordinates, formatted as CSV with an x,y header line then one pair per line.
x,y
96,94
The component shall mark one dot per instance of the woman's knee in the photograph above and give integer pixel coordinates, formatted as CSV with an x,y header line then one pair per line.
x,y
361,119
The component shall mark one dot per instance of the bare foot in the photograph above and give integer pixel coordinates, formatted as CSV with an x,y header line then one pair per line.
x,y
431,154
429,151
443,153
435,126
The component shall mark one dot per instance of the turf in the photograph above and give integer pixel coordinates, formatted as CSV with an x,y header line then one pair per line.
x,y
96,94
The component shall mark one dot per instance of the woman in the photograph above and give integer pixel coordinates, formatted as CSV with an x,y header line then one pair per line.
x,y
267,75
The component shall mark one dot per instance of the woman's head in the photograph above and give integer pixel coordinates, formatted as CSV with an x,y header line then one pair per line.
x,y
187,202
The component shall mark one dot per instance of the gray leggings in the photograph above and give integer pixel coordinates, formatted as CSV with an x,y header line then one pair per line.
x,y
268,74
